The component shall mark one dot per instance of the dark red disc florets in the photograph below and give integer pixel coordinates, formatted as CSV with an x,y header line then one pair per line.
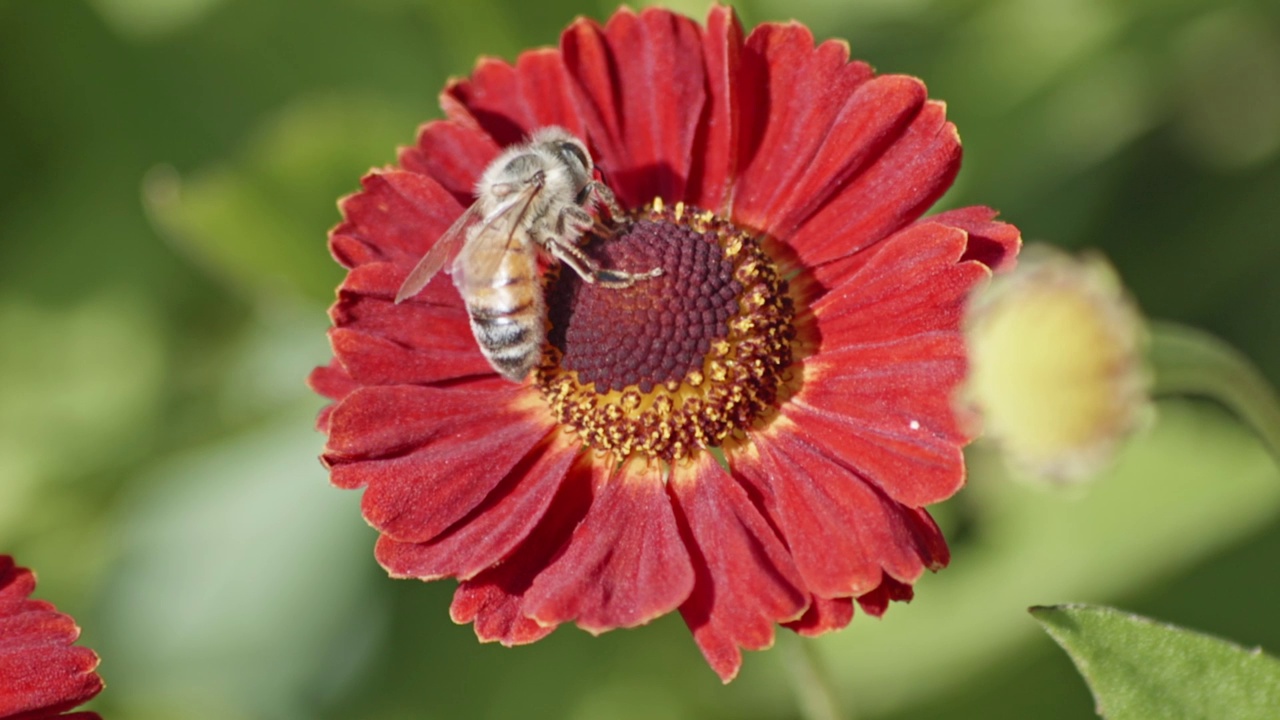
x,y
675,362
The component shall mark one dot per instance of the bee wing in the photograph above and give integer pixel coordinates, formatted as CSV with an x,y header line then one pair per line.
x,y
499,228
445,249
451,242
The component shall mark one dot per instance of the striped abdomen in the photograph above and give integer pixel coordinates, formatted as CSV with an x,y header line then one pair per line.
x,y
508,312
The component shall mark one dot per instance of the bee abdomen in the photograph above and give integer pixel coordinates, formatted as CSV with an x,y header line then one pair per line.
x,y
510,336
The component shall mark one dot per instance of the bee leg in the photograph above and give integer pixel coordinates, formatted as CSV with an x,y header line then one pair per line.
x,y
603,195
589,270
580,221
618,279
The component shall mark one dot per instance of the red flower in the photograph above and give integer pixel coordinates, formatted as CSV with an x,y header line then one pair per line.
x,y
806,327
41,672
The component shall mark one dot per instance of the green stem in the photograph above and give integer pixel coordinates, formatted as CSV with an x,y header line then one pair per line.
x,y
813,688
1192,362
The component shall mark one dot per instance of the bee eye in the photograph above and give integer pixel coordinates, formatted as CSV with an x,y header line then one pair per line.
x,y
575,151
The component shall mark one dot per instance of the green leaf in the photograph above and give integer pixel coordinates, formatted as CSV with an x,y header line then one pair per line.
x,y
1140,668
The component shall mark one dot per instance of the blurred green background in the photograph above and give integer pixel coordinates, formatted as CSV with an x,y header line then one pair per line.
x,y
168,171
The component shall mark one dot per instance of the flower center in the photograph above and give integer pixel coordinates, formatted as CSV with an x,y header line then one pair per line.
x,y
673,363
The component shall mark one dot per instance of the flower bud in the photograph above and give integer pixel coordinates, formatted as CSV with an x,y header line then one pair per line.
x,y
1056,364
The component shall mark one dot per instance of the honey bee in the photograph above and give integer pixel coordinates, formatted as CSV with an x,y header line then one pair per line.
x,y
534,198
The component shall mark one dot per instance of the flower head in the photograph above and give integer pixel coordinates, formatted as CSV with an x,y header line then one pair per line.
x,y
750,437
41,673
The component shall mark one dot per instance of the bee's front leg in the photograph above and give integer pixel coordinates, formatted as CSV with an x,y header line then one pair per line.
x,y
601,194
590,270
574,222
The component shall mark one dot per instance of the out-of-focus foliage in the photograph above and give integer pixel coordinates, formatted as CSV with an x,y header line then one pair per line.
x,y
250,220
168,170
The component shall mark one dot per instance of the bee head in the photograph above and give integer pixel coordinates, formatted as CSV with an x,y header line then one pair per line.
x,y
572,151
552,158
566,147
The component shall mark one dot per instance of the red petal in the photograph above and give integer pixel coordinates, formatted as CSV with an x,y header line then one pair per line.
x,y
876,602
625,564
493,530
792,93
494,599
396,217
45,678
331,381
508,102
35,626
915,282
906,462
16,584
871,119
376,360
992,243
428,456
351,250
642,87
892,192
714,167
548,91
880,388
41,672
841,530
452,154
423,340
745,580
823,616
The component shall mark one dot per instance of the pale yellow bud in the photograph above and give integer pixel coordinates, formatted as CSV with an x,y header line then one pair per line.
x,y
1056,369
